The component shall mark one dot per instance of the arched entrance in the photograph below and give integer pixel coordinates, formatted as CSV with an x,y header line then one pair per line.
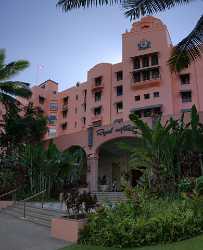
x,y
113,165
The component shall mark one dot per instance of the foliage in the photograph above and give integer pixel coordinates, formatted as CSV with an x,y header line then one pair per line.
x,y
157,221
166,153
9,90
79,204
186,51
191,244
45,168
30,124
185,185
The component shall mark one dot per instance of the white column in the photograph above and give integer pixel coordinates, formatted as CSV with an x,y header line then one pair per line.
x,y
93,161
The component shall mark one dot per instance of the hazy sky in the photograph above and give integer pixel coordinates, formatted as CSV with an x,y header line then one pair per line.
x,y
69,44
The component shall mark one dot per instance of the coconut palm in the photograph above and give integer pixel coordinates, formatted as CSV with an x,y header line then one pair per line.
x,y
11,89
183,54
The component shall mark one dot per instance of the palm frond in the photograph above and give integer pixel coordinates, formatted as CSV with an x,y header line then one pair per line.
x,y
12,69
2,58
15,88
137,8
189,49
68,5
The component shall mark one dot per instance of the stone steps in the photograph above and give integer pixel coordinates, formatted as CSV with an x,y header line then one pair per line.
x,y
110,197
33,214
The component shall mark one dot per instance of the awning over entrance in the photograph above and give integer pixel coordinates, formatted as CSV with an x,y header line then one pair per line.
x,y
146,107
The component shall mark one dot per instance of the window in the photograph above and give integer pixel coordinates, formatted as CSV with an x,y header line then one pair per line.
x,y
137,98
119,75
76,97
52,119
155,73
138,113
157,111
53,106
119,107
97,111
51,132
41,100
98,81
97,96
154,59
145,61
156,94
185,79
75,124
65,100
76,110
147,112
119,90
186,96
137,76
146,75
64,125
65,112
84,120
136,63
54,92
85,93
85,107
146,96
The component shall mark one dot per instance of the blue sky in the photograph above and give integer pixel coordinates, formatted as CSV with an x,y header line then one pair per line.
x,y
69,44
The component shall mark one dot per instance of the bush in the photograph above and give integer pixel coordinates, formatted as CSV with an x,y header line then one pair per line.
x,y
199,185
186,185
158,221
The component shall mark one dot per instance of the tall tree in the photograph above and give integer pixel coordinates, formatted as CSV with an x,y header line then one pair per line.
x,y
165,153
22,126
183,54
9,90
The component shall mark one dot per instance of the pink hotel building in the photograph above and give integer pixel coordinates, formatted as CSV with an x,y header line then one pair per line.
x,y
94,115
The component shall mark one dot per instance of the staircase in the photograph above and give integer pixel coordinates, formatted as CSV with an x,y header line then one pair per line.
x,y
33,214
110,197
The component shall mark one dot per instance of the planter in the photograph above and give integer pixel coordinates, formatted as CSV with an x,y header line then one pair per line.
x,y
67,229
5,204
104,188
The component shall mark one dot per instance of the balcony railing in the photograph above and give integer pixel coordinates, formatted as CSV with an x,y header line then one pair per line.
x,y
151,82
97,86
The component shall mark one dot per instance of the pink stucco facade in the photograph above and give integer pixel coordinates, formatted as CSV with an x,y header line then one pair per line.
x,y
97,111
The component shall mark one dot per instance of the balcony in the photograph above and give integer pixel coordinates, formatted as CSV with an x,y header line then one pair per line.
x,y
96,87
146,78
146,83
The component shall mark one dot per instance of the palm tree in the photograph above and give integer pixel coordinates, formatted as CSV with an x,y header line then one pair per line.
x,y
156,150
183,54
11,89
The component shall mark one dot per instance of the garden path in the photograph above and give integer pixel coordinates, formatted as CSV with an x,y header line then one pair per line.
x,y
16,234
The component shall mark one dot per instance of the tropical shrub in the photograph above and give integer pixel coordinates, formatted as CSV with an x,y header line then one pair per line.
x,y
158,221
186,185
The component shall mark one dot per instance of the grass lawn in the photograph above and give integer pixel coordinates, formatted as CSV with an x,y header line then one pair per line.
x,y
192,244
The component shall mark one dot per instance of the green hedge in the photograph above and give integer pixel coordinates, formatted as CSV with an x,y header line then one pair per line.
x,y
155,221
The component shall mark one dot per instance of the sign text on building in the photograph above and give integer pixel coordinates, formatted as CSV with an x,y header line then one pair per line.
x,y
121,130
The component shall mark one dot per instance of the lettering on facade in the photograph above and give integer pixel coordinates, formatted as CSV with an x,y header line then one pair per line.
x,y
121,130
144,44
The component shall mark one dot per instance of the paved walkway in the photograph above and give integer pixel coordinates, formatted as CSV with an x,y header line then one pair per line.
x,y
16,234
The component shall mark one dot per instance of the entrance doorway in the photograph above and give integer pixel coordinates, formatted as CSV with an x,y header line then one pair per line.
x,y
114,159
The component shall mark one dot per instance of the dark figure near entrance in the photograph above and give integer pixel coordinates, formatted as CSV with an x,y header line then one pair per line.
x,y
114,186
103,180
